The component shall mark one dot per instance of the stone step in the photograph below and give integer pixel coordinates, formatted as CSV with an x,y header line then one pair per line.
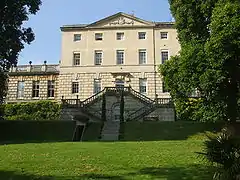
x,y
109,137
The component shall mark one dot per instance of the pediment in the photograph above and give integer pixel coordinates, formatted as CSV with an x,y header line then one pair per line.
x,y
121,20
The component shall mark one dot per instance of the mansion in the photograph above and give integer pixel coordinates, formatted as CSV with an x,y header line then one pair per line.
x,y
118,51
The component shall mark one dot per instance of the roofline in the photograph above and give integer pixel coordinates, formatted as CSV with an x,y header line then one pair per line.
x,y
90,26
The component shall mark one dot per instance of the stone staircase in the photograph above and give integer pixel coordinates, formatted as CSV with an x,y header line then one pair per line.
x,y
110,131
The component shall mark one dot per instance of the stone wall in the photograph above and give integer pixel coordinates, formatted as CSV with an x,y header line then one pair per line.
x,y
28,85
86,84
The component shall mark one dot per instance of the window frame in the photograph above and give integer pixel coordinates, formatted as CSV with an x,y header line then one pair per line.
x,y
164,51
75,39
98,36
163,37
97,86
140,37
75,60
20,91
75,90
36,89
51,89
140,59
95,57
120,61
143,85
120,36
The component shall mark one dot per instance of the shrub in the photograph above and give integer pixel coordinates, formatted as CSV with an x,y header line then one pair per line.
x,y
223,151
41,110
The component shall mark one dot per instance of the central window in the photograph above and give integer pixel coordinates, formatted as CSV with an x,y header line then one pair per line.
x,y
98,57
142,56
97,86
75,87
120,56
120,36
35,89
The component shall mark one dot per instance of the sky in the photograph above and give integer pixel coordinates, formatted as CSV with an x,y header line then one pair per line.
x,y
55,13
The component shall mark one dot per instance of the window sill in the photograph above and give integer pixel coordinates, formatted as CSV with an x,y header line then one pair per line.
x,y
51,98
36,98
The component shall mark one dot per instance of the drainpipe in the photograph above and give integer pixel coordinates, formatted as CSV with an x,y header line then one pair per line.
x,y
154,58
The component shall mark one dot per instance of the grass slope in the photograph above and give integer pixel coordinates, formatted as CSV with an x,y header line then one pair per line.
x,y
164,160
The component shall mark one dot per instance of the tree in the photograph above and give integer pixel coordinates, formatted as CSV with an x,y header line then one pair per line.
x,y
12,33
209,59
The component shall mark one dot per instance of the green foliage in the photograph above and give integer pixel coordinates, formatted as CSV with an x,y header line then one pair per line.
x,y
223,150
122,107
38,111
209,59
36,131
13,35
104,107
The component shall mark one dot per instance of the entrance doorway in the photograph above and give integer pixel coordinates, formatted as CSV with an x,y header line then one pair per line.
x,y
116,112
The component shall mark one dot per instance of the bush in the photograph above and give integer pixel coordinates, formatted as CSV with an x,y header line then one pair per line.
x,y
223,151
41,110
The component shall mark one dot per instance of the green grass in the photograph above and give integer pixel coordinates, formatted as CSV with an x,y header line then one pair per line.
x,y
155,131
169,160
148,150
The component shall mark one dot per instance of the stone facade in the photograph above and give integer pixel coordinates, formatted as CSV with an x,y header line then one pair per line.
x,y
28,76
76,75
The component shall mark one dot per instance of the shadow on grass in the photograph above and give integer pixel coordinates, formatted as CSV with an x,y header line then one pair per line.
x,y
194,172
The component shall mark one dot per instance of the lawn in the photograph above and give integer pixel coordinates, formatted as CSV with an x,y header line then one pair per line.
x,y
169,160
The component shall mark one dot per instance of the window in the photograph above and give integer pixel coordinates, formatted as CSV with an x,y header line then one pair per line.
x,y
35,89
77,37
99,36
143,85
51,87
75,87
120,56
97,86
76,59
98,57
164,35
20,89
164,55
142,56
141,35
120,36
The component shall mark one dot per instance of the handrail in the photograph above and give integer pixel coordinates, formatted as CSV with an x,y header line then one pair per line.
x,y
141,96
93,97
159,102
140,112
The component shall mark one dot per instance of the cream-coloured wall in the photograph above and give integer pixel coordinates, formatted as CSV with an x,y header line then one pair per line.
x,y
171,44
87,71
109,45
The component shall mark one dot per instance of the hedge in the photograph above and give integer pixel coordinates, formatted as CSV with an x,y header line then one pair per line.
x,y
38,111
36,131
